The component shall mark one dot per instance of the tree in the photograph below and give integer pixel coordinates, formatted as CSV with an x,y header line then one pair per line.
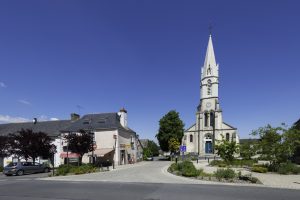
x,y
29,144
226,149
174,145
297,125
170,126
248,149
4,146
80,143
277,144
293,137
153,147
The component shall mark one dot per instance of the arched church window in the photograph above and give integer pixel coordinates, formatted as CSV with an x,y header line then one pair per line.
x,y
191,138
212,118
206,119
227,136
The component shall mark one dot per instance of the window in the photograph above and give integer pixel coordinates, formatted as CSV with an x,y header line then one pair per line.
x,y
208,90
208,70
212,119
206,119
227,136
191,138
208,87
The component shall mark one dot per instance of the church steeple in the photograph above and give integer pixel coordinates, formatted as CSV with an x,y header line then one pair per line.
x,y
210,60
209,73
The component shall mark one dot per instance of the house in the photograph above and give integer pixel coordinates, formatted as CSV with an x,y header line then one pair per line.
x,y
114,141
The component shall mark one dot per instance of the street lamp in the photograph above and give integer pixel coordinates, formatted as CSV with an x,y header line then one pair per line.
x,y
115,148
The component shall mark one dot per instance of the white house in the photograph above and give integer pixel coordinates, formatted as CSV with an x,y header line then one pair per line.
x,y
114,141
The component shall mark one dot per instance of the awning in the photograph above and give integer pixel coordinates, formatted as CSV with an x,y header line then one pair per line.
x,y
101,152
69,155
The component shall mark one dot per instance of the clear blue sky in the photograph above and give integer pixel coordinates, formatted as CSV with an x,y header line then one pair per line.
x,y
146,56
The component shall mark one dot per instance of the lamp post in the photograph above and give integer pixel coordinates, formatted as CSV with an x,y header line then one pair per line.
x,y
115,148
52,152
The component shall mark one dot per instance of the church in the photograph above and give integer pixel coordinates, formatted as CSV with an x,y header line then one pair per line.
x,y
209,128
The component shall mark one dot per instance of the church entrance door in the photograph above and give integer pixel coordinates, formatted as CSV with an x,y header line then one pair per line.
x,y
208,147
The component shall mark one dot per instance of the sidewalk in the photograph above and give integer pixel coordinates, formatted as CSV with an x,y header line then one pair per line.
x,y
268,179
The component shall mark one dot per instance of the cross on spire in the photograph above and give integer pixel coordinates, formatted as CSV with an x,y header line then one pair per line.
x,y
210,27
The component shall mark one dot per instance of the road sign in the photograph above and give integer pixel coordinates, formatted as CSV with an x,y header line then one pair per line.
x,y
183,148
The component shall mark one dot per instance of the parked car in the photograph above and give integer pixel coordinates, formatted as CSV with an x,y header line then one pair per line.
x,y
149,158
20,168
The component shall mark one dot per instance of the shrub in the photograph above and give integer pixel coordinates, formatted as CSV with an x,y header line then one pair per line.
x,y
259,169
173,167
288,168
219,163
236,162
224,174
185,168
249,178
63,170
1,169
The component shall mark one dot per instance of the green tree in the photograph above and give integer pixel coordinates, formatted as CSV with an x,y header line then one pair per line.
x,y
29,144
248,149
170,126
4,146
154,148
151,149
174,145
277,144
297,125
292,137
226,149
147,153
80,143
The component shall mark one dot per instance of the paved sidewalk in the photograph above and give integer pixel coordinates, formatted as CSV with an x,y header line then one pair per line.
x,y
268,179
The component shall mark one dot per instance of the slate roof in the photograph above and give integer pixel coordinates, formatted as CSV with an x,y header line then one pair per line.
x,y
51,128
102,121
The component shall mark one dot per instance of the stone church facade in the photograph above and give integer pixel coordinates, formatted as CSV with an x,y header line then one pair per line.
x,y
209,128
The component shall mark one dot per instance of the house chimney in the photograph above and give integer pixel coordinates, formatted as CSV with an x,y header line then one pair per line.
x,y
123,117
74,116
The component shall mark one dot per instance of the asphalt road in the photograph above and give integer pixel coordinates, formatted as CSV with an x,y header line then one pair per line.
x,y
60,190
144,181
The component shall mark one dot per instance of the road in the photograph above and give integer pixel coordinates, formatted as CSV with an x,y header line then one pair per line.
x,y
145,181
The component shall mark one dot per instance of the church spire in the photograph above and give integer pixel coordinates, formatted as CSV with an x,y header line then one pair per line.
x,y
210,60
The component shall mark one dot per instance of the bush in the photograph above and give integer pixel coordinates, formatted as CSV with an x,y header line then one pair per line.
x,y
236,162
185,168
63,170
1,169
249,178
189,170
288,168
225,174
218,163
259,169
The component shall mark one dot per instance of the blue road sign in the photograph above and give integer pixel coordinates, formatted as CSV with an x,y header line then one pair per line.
x,y
183,148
